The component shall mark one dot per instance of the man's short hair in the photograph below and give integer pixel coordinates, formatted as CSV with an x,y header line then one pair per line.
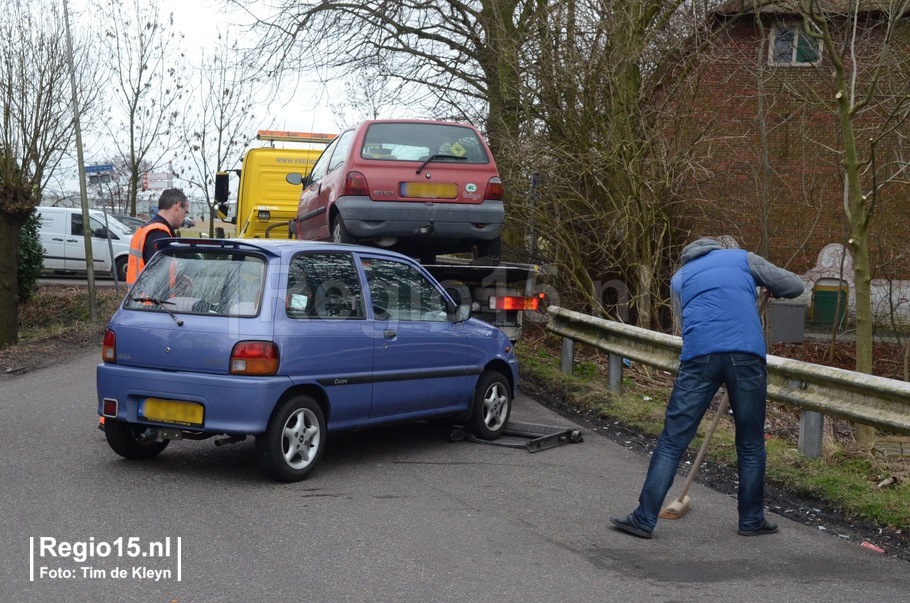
x,y
171,197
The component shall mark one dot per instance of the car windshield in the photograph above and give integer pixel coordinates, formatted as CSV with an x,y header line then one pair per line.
x,y
421,141
213,283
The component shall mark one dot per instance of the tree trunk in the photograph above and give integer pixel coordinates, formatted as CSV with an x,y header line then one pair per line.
x,y
9,290
858,217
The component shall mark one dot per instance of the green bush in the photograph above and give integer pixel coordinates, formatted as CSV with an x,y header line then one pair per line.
x,y
31,259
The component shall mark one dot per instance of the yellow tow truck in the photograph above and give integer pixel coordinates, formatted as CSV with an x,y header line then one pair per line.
x,y
266,201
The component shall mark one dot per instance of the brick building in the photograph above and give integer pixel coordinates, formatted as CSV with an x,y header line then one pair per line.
x,y
767,160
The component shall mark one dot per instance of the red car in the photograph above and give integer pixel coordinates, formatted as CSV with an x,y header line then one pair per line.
x,y
418,187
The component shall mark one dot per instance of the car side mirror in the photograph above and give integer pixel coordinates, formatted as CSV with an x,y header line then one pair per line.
x,y
461,313
100,233
294,178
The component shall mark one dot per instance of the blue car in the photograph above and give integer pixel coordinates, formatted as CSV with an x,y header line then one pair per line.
x,y
290,341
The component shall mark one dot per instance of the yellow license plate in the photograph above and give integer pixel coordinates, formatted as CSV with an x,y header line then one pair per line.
x,y
172,411
429,190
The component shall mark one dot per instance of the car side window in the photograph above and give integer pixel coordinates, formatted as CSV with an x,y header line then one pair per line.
x,y
324,285
321,167
341,149
76,224
98,229
400,292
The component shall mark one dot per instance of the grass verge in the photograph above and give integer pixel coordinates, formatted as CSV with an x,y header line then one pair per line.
x,y
64,310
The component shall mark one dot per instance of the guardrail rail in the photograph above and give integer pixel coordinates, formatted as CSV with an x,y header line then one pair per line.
x,y
867,399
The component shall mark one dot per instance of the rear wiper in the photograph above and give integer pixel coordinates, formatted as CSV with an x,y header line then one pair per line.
x,y
160,304
440,156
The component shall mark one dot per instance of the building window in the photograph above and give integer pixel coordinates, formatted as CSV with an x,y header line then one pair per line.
x,y
790,45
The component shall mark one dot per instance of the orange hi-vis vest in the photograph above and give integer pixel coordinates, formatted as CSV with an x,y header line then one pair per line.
x,y
136,262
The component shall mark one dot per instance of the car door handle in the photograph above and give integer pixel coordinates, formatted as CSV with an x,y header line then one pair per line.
x,y
389,333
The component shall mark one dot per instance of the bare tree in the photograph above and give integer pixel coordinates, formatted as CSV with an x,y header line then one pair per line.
x,y
219,117
606,104
446,58
862,53
37,127
566,91
145,61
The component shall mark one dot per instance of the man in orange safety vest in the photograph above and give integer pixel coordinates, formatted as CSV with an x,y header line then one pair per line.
x,y
172,209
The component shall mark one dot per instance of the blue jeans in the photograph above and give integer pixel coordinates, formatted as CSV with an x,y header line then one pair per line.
x,y
745,378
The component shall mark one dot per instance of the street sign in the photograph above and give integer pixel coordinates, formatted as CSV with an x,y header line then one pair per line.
x,y
97,169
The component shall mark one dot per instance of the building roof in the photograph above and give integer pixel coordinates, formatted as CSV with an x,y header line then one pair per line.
x,y
795,7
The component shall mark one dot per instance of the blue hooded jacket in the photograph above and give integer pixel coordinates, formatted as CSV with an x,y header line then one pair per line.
x,y
715,294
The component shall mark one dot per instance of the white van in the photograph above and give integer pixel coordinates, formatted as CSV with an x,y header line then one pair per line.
x,y
61,235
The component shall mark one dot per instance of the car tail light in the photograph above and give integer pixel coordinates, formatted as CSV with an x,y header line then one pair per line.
x,y
109,347
494,190
254,358
513,302
355,183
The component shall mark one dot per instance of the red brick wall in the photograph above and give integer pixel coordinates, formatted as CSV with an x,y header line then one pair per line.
x,y
805,190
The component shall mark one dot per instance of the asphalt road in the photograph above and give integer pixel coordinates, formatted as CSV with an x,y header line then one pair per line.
x,y
399,514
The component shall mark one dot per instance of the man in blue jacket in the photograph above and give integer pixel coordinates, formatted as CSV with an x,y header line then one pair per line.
x,y
723,344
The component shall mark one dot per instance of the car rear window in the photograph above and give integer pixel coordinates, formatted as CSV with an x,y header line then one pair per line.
x,y
222,284
419,142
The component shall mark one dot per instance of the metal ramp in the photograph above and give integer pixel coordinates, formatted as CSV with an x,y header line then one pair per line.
x,y
539,437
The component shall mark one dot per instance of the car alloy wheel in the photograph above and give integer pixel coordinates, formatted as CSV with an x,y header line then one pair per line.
x,y
293,441
492,406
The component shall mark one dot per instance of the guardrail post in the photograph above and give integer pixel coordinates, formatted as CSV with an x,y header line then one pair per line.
x,y
568,355
811,433
614,367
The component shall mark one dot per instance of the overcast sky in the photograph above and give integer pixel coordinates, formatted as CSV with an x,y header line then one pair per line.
x,y
304,110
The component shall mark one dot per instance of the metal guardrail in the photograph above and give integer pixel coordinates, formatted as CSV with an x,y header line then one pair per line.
x,y
876,401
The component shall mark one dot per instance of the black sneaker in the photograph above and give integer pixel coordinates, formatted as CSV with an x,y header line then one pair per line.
x,y
628,526
765,528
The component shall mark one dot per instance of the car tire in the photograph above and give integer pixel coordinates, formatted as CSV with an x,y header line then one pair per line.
x,y
490,249
492,406
120,265
134,442
340,232
293,441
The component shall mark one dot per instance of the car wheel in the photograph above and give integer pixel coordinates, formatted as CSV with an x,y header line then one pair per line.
x,y
490,249
340,232
132,441
492,406
120,265
293,441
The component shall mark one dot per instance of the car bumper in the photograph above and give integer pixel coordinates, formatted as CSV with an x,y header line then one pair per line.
x,y
232,405
365,218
